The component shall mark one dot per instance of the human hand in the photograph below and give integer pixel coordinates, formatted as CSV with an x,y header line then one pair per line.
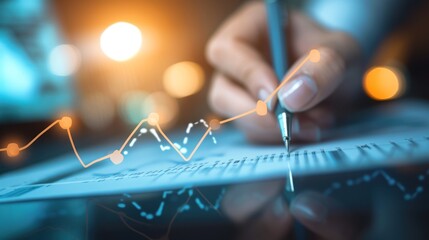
x,y
239,52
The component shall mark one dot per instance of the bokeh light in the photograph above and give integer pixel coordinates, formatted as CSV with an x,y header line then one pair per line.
x,y
64,60
134,107
384,83
183,79
165,106
121,41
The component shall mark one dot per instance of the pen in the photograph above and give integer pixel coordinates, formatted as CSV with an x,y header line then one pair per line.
x,y
278,52
276,29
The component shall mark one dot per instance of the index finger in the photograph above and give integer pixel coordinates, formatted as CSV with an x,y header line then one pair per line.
x,y
233,50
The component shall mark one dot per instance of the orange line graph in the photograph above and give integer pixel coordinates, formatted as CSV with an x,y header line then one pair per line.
x,y
132,134
39,135
78,156
117,157
289,76
238,116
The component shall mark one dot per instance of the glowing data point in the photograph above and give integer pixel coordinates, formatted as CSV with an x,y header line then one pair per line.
x,y
261,108
12,150
116,157
314,55
214,124
153,119
66,123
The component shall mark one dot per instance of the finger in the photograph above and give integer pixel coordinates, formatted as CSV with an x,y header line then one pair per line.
x,y
228,99
323,116
305,129
308,126
273,223
244,200
233,51
318,77
324,217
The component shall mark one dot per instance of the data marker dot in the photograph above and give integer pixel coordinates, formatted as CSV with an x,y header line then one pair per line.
x,y
261,108
153,119
116,157
214,124
314,55
66,123
12,150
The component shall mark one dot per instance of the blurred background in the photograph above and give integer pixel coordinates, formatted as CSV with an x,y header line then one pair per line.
x,y
107,64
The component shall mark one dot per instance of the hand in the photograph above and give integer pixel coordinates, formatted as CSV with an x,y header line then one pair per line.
x,y
262,213
239,51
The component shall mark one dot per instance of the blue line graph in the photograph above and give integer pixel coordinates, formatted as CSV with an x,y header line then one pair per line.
x,y
201,202
368,178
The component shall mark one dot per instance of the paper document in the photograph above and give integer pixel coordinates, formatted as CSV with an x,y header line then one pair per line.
x,y
393,136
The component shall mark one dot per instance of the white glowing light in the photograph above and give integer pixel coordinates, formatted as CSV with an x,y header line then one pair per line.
x,y
121,41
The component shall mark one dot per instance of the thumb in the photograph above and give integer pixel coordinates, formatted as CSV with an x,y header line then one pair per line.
x,y
319,73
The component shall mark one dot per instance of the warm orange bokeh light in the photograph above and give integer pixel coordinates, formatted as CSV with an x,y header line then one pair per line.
x,y
383,83
183,79
164,109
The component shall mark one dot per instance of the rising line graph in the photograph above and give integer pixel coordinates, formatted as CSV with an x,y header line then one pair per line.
x,y
116,157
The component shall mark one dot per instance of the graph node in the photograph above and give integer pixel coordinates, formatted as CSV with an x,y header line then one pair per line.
x,y
153,119
12,150
314,56
116,157
261,108
214,124
66,123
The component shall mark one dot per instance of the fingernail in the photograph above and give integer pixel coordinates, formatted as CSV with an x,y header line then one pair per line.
x,y
308,207
263,95
298,92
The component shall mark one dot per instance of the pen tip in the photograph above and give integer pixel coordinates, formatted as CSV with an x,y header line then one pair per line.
x,y
287,145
